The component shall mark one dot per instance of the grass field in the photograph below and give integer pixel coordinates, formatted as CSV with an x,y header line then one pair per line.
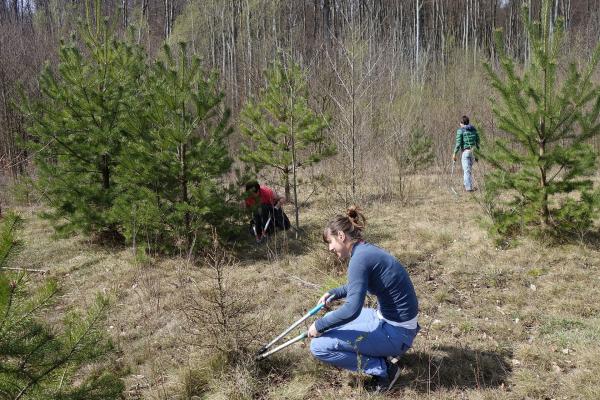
x,y
515,323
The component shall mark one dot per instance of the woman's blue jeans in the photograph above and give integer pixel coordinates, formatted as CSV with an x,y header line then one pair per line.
x,y
363,344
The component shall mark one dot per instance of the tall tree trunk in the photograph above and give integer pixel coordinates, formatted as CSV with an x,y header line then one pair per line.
x,y
125,8
3,12
212,28
223,44
143,15
492,44
168,17
327,20
15,8
232,53
315,23
304,27
248,69
353,101
418,5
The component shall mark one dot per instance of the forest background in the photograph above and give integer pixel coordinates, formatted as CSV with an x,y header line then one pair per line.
x,y
381,73
386,69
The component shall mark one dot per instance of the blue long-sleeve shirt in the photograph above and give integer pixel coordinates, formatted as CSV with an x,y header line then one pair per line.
x,y
373,270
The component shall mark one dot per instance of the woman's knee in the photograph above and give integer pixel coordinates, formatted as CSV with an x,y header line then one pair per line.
x,y
319,347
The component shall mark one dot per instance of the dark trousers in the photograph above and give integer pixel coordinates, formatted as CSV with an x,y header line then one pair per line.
x,y
269,219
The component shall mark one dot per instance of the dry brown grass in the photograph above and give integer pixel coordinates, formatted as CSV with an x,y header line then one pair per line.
x,y
516,323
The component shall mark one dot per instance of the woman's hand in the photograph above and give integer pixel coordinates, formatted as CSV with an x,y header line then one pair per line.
x,y
324,298
312,331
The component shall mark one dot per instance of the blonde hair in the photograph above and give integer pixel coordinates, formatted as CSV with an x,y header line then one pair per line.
x,y
352,224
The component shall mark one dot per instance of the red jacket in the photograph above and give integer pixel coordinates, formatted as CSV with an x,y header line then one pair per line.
x,y
266,195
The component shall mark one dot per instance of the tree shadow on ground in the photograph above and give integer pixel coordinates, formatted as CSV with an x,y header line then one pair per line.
x,y
592,239
589,238
278,245
454,368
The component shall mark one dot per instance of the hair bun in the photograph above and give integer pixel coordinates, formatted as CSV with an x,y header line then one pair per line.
x,y
356,217
352,224
352,212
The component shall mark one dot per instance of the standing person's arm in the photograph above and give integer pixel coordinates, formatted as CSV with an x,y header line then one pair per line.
x,y
458,144
476,145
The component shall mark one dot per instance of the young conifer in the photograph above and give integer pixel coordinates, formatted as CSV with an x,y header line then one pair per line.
x,y
283,131
79,125
40,362
541,169
172,170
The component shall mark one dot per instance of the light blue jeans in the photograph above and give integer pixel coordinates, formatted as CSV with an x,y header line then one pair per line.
x,y
467,166
363,344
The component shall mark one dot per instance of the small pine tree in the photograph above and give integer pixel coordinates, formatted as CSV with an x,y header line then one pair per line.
x,y
171,171
37,362
218,313
411,154
283,131
80,123
540,179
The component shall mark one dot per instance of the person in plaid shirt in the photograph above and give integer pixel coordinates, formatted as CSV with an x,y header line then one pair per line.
x,y
467,140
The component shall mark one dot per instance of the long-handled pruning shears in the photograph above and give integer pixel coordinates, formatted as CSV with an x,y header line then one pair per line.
x,y
263,353
452,179
260,237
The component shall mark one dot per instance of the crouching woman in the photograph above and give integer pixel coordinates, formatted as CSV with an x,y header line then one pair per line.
x,y
353,337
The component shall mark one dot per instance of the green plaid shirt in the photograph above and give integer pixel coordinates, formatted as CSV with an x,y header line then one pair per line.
x,y
466,137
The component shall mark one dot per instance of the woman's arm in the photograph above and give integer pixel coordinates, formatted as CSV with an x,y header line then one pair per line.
x,y
355,298
339,292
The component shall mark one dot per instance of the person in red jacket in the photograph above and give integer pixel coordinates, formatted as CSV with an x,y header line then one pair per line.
x,y
267,214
